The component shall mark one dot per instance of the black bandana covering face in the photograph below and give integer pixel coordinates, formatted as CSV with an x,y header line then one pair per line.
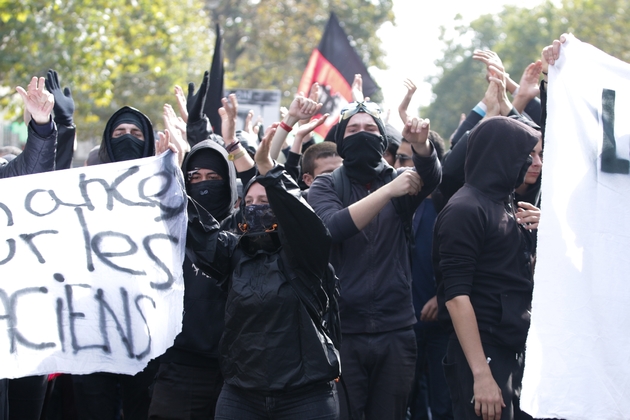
x,y
127,147
259,218
363,154
213,195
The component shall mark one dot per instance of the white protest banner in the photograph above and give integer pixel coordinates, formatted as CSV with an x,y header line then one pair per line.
x,y
91,267
577,362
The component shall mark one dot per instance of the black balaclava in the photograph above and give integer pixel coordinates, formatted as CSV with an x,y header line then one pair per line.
x,y
127,147
362,152
213,195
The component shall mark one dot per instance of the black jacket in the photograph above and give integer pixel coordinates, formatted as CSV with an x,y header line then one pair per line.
x,y
373,264
38,155
478,248
270,342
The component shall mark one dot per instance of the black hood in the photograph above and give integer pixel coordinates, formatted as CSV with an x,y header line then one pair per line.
x,y
105,154
497,150
214,146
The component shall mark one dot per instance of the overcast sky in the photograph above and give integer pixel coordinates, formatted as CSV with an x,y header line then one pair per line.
x,y
412,46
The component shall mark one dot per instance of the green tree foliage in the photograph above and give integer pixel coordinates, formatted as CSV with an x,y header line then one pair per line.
x,y
268,42
132,52
518,35
112,53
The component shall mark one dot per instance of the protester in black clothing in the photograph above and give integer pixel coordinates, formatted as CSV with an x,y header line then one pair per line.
x,y
23,398
484,273
370,253
271,347
189,380
127,135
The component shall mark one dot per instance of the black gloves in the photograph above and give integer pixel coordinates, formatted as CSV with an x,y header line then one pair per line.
x,y
194,103
64,104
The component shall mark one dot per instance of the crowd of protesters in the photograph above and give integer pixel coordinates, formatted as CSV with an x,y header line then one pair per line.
x,y
373,275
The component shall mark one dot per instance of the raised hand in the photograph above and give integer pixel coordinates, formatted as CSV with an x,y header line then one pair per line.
x,y
229,115
302,108
489,58
181,103
551,53
404,105
313,96
262,158
416,130
304,131
38,102
491,98
195,101
499,77
64,104
528,88
177,131
357,88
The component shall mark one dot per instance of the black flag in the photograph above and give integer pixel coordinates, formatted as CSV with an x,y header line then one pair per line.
x,y
215,90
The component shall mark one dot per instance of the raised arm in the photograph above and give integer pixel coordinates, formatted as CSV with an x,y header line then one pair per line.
x,y
63,111
528,89
237,153
305,238
39,152
197,124
404,104
301,108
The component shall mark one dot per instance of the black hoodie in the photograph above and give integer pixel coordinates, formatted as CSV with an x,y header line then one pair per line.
x,y
204,301
478,248
105,154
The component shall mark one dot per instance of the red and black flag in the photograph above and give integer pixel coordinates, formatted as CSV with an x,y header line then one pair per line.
x,y
215,88
333,65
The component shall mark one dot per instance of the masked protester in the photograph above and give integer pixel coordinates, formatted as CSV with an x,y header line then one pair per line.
x,y
189,380
368,206
128,135
271,347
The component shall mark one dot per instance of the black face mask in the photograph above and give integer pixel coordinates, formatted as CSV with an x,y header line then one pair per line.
x,y
363,153
259,218
127,147
523,172
214,196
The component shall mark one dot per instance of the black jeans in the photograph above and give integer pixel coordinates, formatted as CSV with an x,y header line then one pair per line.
x,y
26,397
313,402
99,396
432,341
185,392
507,369
377,370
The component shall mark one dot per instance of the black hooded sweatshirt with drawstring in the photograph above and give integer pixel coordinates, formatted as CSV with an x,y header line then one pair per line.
x,y
479,249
